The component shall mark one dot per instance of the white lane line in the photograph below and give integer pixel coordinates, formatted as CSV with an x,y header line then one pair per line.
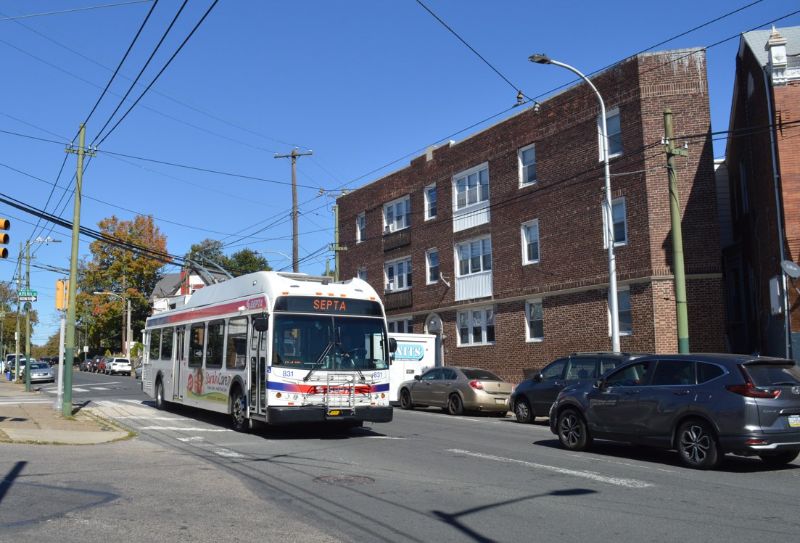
x,y
99,388
188,439
227,453
77,389
616,481
628,464
185,429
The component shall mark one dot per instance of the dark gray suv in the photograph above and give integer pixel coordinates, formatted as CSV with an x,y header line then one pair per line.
x,y
533,397
703,405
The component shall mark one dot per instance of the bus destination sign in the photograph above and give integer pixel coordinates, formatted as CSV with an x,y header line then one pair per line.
x,y
327,305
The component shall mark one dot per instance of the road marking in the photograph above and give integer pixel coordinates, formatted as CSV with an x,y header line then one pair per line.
x,y
100,388
185,429
616,481
628,464
227,453
76,389
188,439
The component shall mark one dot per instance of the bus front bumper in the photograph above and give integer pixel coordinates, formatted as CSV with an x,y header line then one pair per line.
x,y
315,413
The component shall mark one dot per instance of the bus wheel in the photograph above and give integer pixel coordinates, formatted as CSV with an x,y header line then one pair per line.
x,y
239,411
159,395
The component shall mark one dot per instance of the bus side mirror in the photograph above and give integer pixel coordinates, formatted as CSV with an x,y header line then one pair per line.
x,y
261,323
392,345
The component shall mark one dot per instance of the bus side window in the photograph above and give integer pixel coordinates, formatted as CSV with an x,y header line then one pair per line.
x,y
236,348
166,343
215,344
155,344
196,340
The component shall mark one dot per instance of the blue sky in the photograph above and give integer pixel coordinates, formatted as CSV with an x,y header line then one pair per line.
x,y
365,84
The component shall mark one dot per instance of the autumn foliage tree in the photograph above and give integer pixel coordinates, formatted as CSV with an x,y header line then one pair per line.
x,y
123,271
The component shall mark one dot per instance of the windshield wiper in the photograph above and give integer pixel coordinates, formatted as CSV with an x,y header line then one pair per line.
x,y
318,363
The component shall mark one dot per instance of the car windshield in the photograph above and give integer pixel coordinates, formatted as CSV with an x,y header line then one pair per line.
x,y
356,343
481,374
774,374
122,361
39,366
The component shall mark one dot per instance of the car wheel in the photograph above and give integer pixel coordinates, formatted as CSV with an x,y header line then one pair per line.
x,y
697,445
239,420
523,411
780,459
159,395
405,399
454,405
572,431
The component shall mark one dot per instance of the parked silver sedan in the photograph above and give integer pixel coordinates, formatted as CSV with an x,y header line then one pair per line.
x,y
457,390
40,371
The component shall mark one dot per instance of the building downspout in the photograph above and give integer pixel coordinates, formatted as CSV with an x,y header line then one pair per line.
x,y
787,327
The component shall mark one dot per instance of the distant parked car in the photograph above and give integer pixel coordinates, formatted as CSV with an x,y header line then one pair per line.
x,y
118,365
533,397
95,363
102,365
703,405
85,364
40,371
456,390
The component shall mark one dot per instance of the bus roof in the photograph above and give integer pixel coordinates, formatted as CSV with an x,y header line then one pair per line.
x,y
273,284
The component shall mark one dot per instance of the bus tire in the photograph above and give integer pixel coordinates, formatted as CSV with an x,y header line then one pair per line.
x,y
160,403
239,420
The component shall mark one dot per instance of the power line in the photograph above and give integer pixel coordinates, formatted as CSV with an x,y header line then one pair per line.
x,y
178,50
73,10
121,62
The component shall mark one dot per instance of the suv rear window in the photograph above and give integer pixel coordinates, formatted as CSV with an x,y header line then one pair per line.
x,y
774,374
480,374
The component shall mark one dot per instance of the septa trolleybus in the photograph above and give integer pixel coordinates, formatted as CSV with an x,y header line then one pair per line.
x,y
279,348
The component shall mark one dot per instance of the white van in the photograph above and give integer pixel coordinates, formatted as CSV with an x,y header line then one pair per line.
x,y
415,353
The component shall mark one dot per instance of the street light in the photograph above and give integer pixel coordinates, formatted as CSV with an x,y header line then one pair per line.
x,y
127,320
612,264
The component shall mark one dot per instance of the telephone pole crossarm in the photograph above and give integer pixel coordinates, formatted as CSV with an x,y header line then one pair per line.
x,y
295,241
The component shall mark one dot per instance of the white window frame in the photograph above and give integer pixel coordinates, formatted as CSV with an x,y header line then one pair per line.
x,y
428,266
613,112
425,192
470,244
394,264
406,323
361,227
616,201
486,313
528,305
465,175
405,204
361,273
522,167
627,292
524,234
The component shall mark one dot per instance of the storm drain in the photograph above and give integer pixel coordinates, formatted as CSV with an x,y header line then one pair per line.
x,y
344,480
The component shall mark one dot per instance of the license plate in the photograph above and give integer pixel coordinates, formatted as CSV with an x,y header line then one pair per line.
x,y
794,421
334,413
499,401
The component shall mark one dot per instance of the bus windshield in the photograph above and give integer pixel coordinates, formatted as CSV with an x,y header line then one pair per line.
x,y
356,343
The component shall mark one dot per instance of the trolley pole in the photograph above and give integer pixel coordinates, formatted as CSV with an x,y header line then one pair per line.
x,y
69,348
677,235
295,241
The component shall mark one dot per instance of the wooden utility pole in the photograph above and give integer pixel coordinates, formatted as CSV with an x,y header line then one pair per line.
x,y
295,242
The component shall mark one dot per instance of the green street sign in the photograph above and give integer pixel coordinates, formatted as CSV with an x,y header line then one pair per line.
x,y
27,293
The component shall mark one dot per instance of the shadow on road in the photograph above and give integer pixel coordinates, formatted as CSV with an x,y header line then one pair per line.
x,y
9,479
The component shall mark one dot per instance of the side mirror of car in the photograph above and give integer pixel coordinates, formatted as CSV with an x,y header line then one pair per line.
x,y
392,344
417,377
261,323
538,378
600,384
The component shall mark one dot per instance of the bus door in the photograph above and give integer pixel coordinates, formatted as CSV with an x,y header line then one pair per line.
x,y
179,360
258,367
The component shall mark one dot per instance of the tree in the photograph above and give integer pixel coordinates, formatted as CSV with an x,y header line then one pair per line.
x,y
239,263
247,261
124,272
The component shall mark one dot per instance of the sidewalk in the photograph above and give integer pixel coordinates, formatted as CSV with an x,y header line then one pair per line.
x,y
29,417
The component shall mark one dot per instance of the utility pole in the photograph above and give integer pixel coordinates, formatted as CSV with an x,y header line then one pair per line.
x,y
295,242
28,318
69,348
16,335
335,247
677,234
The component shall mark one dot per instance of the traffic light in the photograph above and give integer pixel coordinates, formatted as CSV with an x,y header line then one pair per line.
x,y
5,224
62,294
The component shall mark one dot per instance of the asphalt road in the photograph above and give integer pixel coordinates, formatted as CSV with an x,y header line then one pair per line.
x,y
424,477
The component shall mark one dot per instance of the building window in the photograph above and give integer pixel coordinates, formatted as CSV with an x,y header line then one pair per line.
x,y
397,215
398,275
527,165
432,266
624,312
361,227
430,202
530,242
619,216
400,326
472,186
361,273
534,318
474,256
476,327
614,134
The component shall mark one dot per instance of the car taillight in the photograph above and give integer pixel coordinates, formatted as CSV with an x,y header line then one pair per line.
x,y
751,391
476,384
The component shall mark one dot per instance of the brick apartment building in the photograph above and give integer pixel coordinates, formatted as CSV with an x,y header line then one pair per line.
x,y
764,177
496,243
